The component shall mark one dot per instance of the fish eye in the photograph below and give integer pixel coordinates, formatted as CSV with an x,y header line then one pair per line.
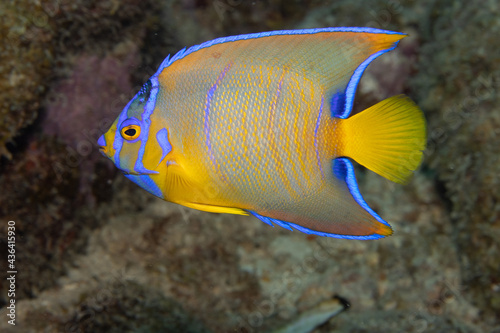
x,y
130,132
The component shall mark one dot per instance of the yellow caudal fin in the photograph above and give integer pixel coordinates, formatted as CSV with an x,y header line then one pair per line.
x,y
387,138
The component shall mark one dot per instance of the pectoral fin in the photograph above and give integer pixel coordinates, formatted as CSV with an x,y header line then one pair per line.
x,y
184,191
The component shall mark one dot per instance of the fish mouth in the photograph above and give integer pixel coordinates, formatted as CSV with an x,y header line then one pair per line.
x,y
104,151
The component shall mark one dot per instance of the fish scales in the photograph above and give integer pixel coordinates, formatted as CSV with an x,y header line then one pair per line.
x,y
251,161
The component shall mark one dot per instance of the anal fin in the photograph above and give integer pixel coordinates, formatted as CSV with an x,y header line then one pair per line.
x,y
344,171
337,210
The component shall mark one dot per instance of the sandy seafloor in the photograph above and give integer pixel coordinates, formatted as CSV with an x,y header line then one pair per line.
x,y
95,253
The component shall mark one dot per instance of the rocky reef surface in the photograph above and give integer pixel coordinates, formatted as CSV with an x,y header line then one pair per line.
x,y
95,253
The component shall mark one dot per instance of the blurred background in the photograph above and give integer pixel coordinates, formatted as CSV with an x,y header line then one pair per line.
x,y
95,253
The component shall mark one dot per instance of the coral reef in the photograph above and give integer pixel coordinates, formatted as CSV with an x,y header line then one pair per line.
x,y
56,47
39,38
26,60
82,106
42,210
128,307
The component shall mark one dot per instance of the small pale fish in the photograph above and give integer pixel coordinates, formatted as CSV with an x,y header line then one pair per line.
x,y
309,320
260,124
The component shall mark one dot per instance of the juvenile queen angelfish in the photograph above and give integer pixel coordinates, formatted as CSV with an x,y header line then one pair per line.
x,y
259,124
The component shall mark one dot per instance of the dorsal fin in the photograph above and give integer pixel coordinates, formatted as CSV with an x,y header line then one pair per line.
x,y
333,57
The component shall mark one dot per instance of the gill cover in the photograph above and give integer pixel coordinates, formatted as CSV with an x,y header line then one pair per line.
x,y
135,141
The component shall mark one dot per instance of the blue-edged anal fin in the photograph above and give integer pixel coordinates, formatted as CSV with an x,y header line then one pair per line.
x,y
335,210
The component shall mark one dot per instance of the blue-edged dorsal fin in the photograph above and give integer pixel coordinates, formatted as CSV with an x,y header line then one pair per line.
x,y
335,58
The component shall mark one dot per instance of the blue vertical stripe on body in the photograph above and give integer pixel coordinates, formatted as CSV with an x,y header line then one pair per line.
x,y
318,121
162,138
146,123
206,122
